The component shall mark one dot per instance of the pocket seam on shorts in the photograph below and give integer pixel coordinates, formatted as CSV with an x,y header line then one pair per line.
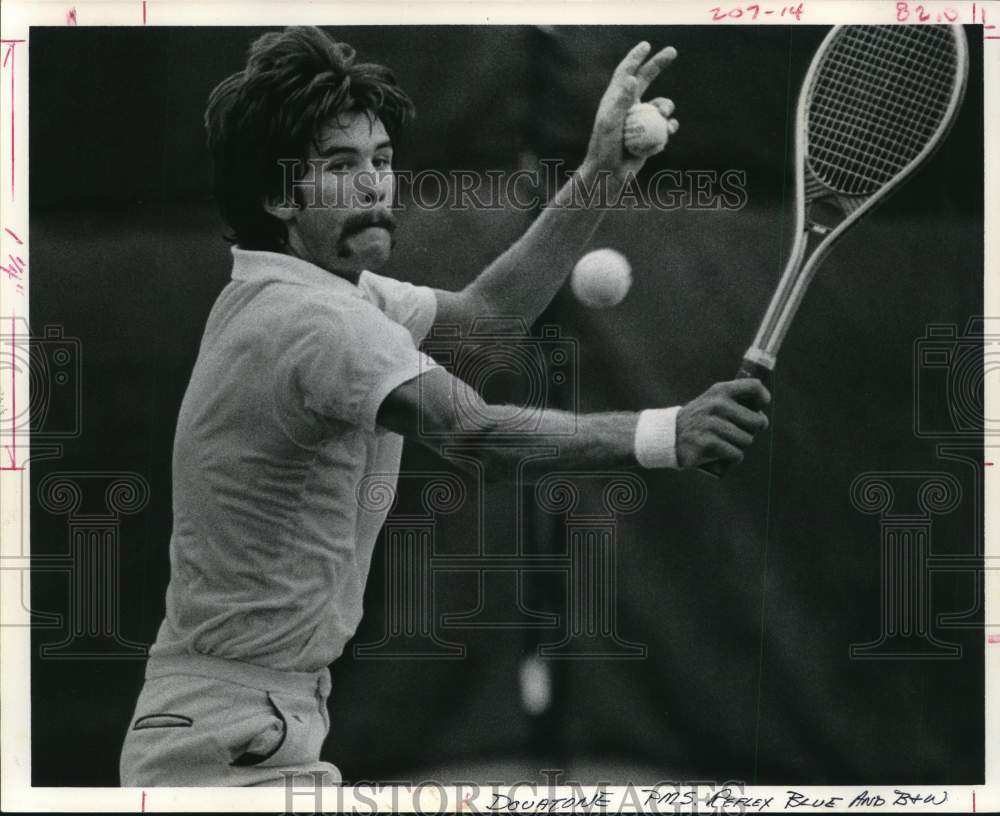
x,y
247,760
178,721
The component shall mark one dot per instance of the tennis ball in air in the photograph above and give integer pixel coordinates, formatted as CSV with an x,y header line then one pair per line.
x,y
645,130
601,278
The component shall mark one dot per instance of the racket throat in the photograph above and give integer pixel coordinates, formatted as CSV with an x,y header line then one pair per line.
x,y
821,220
826,214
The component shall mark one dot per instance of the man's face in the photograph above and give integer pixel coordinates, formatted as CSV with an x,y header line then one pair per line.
x,y
344,223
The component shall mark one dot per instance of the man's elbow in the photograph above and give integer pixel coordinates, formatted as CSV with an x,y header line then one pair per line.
x,y
486,301
474,439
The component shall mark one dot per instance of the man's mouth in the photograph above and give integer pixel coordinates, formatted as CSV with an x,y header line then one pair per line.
x,y
360,224
366,221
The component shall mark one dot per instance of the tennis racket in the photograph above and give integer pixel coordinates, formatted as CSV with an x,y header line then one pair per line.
x,y
876,103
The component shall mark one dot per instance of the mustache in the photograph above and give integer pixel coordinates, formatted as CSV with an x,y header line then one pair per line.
x,y
365,220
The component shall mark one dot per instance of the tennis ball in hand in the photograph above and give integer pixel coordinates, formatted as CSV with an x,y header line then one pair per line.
x,y
601,278
645,130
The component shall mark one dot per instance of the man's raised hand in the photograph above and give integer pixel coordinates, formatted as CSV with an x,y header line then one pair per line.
x,y
628,83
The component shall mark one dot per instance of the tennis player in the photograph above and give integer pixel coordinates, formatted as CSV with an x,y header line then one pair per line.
x,y
309,377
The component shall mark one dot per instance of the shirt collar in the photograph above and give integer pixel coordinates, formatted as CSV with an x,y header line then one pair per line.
x,y
257,266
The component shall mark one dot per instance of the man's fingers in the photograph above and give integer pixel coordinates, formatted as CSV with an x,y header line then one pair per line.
x,y
721,449
732,432
651,70
664,106
746,418
748,391
632,61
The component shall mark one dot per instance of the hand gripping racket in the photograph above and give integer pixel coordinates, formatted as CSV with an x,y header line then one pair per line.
x,y
876,103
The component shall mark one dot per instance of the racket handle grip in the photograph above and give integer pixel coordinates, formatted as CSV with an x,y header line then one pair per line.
x,y
752,370
748,370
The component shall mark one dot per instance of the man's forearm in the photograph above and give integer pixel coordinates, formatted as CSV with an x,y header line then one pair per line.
x,y
580,441
525,278
443,413
523,281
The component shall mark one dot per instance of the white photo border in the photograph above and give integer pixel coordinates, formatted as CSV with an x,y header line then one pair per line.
x,y
19,15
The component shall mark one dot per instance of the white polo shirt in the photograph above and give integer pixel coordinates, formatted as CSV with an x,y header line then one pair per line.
x,y
270,548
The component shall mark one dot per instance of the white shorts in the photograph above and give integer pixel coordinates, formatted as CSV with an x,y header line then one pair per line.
x,y
207,722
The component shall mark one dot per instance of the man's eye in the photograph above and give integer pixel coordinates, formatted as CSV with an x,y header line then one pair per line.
x,y
382,163
338,166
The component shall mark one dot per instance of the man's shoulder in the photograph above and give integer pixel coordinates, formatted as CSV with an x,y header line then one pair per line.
x,y
384,291
413,307
295,302
274,282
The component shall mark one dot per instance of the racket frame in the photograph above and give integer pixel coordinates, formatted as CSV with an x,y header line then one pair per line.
x,y
796,277
760,359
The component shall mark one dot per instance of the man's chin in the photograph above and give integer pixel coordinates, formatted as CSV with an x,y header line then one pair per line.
x,y
369,249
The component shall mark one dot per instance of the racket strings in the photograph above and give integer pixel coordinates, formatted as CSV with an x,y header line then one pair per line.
x,y
847,132
919,129
879,97
852,83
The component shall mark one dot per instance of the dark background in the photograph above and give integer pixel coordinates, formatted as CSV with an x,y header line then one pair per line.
x,y
747,592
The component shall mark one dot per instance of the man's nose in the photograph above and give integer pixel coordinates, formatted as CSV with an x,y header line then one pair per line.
x,y
373,186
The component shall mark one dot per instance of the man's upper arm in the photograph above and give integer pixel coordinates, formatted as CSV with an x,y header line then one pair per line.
x,y
434,407
459,308
338,364
421,407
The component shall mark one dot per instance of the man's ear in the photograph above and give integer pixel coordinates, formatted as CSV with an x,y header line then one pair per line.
x,y
283,207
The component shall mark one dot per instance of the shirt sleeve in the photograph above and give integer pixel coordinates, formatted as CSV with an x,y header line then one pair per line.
x,y
343,363
414,307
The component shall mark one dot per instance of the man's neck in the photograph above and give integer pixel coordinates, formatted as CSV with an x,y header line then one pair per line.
x,y
349,276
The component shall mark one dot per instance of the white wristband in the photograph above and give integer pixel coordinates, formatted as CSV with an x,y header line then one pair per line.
x,y
656,438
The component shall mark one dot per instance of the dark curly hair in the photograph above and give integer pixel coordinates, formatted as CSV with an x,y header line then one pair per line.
x,y
294,81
